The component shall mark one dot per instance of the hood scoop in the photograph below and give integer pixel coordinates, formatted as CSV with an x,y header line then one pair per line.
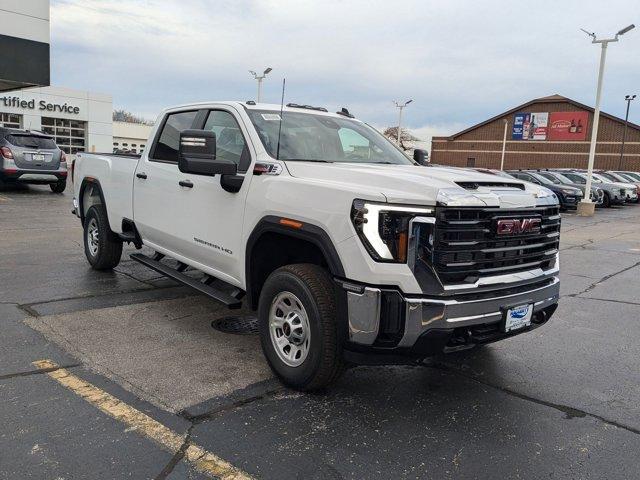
x,y
497,184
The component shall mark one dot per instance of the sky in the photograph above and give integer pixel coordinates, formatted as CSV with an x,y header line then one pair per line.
x,y
460,61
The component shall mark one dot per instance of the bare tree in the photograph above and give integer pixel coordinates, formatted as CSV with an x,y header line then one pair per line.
x,y
407,140
124,116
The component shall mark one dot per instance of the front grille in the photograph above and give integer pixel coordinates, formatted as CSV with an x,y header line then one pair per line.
x,y
467,247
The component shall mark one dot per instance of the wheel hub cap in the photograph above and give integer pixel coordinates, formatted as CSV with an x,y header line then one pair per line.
x,y
289,329
93,239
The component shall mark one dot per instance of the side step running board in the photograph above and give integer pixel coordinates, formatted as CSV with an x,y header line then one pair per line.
x,y
229,300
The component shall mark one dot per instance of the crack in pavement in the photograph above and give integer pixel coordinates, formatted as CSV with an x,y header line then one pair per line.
x,y
38,371
570,412
204,417
603,279
177,457
28,307
624,302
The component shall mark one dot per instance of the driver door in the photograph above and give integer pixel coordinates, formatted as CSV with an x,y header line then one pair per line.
x,y
216,216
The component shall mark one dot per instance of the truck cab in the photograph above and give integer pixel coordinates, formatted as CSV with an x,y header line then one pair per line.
x,y
349,251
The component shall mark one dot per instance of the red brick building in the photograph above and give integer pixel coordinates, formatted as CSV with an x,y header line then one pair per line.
x,y
552,131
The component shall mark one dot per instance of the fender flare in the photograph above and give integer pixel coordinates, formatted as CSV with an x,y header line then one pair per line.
x,y
308,232
86,182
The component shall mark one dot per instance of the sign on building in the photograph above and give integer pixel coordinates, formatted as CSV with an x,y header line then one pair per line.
x,y
530,126
568,126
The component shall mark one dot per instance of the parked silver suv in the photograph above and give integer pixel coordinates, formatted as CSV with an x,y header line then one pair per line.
x,y
31,157
614,194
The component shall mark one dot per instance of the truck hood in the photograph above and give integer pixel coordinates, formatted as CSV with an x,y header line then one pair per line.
x,y
425,185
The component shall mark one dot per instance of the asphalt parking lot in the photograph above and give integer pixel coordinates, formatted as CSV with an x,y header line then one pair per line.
x,y
114,375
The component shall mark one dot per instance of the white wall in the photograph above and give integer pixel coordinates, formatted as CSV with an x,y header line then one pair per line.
x,y
94,108
28,19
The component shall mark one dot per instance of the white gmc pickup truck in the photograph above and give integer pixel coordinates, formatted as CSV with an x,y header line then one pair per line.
x,y
350,251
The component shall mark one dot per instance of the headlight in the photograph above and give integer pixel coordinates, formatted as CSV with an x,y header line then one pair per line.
x,y
384,228
544,192
568,191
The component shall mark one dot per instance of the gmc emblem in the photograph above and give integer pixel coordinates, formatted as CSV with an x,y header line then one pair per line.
x,y
518,226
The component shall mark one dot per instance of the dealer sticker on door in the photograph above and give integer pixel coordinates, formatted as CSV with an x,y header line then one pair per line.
x,y
518,317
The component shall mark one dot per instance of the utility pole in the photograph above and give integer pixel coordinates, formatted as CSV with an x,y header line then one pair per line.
x,y
400,107
628,98
504,143
586,207
260,78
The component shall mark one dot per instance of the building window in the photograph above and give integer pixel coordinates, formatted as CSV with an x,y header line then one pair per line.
x,y
69,135
10,120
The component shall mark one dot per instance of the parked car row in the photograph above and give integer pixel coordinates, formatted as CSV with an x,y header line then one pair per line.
x,y
608,188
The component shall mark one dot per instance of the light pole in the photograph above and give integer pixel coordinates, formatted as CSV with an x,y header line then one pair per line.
x,y
586,207
400,106
504,143
259,78
628,98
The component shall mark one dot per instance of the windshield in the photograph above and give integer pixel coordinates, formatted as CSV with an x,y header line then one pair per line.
x,y
552,178
610,176
540,178
600,179
633,176
562,178
311,137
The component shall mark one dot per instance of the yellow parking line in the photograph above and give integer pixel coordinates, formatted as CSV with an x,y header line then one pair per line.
x,y
204,461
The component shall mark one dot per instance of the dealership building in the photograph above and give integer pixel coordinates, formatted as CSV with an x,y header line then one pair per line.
x,y
77,120
547,132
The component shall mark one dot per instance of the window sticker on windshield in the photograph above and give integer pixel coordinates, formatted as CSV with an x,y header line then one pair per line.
x,y
271,116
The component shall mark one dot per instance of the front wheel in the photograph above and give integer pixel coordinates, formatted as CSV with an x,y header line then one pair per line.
x,y
102,247
298,327
606,201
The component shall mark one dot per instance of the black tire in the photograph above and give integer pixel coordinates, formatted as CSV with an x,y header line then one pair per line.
x,y
59,186
606,200
312,285
104,253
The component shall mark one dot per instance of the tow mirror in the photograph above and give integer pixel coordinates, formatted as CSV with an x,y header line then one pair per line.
x,y
420,156
197,154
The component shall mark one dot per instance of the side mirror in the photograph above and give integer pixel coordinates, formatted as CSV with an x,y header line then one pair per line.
x,y
197,154
420,156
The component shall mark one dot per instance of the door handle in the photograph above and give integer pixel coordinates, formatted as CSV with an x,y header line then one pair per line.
x,y
185,183
141,175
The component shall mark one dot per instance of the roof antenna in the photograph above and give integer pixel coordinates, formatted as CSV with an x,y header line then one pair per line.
x,y
284,81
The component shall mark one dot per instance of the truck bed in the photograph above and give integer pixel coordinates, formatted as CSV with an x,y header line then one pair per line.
x,y
115,173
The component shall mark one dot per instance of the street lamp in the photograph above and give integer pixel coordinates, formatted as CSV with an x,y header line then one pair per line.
x,y
400,106
504,143
259,78
586,207
628,98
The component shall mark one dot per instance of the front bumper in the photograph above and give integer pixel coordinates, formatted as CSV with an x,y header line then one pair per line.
x,y
386,321
570,201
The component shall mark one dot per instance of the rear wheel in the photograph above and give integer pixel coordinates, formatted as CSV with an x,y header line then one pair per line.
x,y
102,247
298,327
59,186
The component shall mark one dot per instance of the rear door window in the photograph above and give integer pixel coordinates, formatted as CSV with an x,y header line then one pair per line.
x,y
166,148
32,141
